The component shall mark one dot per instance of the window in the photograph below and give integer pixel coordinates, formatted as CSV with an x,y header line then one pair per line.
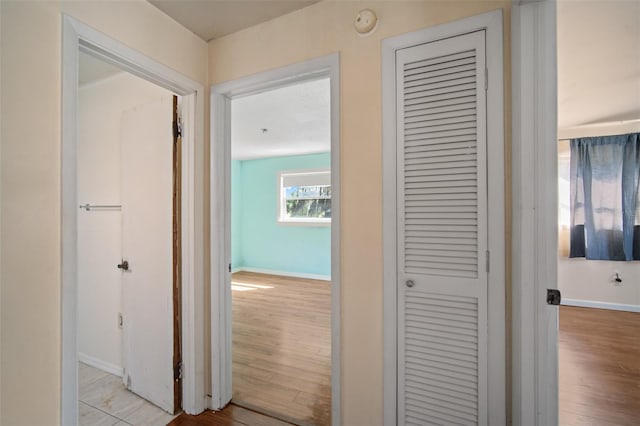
x,y
605,197
305,197
564,195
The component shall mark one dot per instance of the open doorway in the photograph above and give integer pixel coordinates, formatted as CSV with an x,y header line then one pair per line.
x,y
300,182
599,212
128,234
281,251
184,246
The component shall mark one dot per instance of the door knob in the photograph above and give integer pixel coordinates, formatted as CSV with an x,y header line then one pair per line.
x,y
124,265
410,283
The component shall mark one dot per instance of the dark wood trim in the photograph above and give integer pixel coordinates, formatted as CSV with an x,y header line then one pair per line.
x,y
232,415
177,260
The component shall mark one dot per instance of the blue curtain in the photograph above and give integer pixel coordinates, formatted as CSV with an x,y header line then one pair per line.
x,y
605,197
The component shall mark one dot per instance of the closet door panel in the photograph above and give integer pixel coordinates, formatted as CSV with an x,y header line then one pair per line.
x,y
442,232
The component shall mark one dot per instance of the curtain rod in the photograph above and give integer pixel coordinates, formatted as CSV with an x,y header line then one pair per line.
x,y
604,125
580,137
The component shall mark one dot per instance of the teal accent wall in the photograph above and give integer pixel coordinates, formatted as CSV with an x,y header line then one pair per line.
x,y
257,239
236,185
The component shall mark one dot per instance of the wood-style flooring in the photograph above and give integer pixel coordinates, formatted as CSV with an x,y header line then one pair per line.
x,y
232,415
599,370
599,375
281,354
282,346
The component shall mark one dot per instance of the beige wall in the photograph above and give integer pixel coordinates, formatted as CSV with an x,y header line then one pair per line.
x,y
318,30
30,199
30,168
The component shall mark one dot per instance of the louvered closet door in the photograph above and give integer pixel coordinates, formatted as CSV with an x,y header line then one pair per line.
x,y
442,232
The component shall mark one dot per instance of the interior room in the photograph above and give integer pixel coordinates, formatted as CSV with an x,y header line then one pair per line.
x,y
281,252
117,111
490,67
599,346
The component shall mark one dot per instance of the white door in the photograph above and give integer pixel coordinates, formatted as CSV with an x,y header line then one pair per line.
x,y
442,232
147,247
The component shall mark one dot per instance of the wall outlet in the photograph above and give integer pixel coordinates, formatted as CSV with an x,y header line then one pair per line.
x,y
616,279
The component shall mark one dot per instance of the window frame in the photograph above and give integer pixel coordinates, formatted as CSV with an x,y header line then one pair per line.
x,y
564,227
281,205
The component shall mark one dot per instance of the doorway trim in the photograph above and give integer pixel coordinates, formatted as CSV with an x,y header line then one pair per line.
x,y
76,37
535,218
221,95
492,23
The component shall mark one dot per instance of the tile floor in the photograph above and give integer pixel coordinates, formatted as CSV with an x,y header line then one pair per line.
x,y
104,401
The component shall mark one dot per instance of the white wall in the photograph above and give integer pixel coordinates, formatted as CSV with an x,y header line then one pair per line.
x,y
101,105
592,281
597,99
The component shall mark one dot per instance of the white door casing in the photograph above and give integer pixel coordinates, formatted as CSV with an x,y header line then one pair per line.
x,y
535,220
147,246
444,225
221,95
79,36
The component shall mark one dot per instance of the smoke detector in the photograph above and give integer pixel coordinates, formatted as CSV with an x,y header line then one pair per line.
x,y
366,22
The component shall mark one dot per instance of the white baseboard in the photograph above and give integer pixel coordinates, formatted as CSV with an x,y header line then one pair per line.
x,y
100,364
600,305
283,273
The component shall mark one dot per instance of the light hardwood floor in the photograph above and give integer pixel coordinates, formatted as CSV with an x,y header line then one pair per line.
x,y
282,346
599,367
599,360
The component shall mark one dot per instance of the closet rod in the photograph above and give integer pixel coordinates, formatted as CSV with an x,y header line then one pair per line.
x,y
88,207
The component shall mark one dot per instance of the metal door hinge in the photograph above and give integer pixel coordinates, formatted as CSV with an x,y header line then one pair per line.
x,y
177,371
120,320
488,257
177,129
229,267
553,296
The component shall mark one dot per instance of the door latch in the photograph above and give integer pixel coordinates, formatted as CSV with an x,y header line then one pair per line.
x,y
553,296
124,265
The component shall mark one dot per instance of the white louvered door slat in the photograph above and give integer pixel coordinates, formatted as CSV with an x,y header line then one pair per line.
x,y
442,232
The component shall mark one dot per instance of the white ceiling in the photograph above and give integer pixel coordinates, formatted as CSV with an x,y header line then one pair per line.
x,y
598,53
210,19
297,120
297,117
598,62
92,69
